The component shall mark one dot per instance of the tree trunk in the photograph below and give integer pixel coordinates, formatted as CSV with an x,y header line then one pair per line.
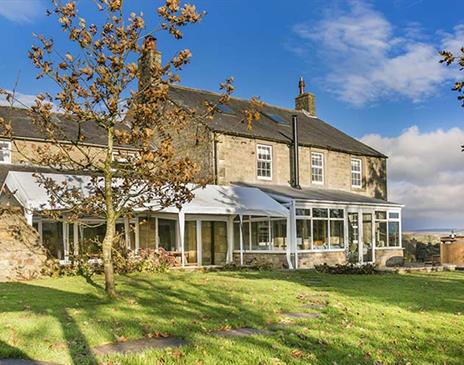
x,y
108,260
110,286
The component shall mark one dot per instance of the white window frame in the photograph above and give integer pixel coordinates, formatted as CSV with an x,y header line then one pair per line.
x,y
354,172
118,155
8,144
317,167
328,220
263,146
387,220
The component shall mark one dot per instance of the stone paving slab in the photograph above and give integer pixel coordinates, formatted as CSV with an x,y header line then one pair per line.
x,y
301,315
23,362
138,345
242,332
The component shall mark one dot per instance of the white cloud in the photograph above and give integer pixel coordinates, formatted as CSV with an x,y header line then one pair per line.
x,y
426,173
21,100
21,11
367,61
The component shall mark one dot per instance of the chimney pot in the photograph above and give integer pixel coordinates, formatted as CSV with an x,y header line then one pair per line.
x,y
149,62
301,85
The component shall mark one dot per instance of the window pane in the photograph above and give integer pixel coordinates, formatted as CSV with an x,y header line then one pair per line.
x,y
303,212
147,233
393,234
336,213
167,234
279,234
190,241
367,237
246,236
381,234
303,234
52,238
356,165
337,238
394,215
92,238
320,213
380,215
260,235
320,232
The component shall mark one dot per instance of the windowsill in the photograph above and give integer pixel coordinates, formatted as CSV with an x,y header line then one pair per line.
x,y
264,178
320,183
390,248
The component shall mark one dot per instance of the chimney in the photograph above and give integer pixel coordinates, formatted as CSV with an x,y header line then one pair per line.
x,y
149,62
295,170
305,101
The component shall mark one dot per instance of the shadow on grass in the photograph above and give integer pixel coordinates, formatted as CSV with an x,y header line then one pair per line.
x,y
18,297
192,309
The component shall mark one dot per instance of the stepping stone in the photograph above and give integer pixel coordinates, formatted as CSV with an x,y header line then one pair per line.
x,y
301,315
139,345
23,362
242,332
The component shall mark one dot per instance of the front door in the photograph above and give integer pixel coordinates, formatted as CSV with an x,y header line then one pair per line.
x,y
353,238
367,240
213,242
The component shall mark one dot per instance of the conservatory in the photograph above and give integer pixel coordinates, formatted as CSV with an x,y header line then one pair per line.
x,y
201,233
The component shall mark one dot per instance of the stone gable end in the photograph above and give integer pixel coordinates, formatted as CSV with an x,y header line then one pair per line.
x,y
21,255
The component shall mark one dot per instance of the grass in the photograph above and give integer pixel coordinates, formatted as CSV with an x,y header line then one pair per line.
x,y
381,319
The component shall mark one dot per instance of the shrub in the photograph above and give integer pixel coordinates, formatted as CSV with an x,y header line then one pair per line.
x,y
350,269
125,261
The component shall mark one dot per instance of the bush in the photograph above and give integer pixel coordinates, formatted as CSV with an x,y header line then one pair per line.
x,y
125,261
349,269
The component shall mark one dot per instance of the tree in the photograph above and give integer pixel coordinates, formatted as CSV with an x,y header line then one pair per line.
x,y
97,86
449,59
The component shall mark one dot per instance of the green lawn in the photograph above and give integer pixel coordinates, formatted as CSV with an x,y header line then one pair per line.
x,y
381,319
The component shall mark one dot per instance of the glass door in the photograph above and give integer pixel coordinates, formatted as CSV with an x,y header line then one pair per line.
x,y
353,238
213,242
367,240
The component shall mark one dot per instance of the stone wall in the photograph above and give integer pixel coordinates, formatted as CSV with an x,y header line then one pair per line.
x,y
279,260
22,151
308,260
389,257
236,158
276,260
21,255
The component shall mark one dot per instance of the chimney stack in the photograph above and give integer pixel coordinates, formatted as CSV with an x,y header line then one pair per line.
x,y
149,62
295,170
305,101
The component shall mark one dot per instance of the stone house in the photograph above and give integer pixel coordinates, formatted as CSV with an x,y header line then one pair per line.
x,y
292,191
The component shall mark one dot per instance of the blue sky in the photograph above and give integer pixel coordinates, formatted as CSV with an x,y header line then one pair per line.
x,y
373,66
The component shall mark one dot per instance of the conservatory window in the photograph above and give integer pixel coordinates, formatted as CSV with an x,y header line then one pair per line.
x,y
387,230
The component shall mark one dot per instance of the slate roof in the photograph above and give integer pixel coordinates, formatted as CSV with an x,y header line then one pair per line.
x,y
312,131
318,194
23,127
